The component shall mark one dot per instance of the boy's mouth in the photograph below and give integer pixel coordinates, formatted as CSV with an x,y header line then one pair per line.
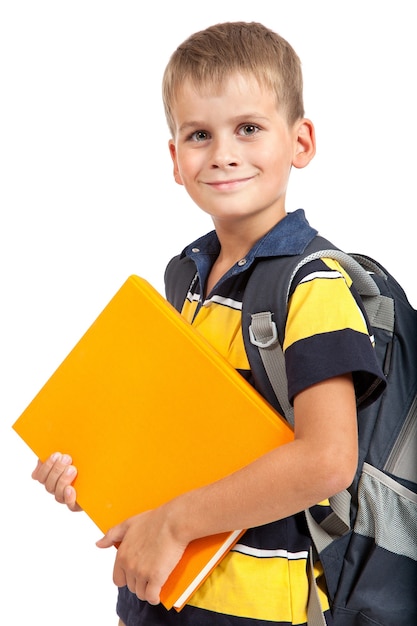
x,y
226,185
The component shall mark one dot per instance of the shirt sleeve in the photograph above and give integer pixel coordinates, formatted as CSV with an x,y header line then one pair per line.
x,y
327,332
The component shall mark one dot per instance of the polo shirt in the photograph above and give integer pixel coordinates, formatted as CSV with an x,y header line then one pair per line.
x,y
263,580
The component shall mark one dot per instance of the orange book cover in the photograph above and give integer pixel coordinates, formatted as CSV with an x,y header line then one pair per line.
x,y
148,409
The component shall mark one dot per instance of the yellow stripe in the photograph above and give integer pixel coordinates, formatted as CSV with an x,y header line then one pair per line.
x,y
272,589
321,586
188,310
334,265
322,306
211,321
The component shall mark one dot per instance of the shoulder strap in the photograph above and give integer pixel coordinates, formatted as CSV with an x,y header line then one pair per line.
x,y
266,294
178,277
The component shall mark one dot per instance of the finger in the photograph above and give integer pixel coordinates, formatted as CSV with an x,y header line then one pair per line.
x,y
47,473
138,585
65,480
113,537
70,499
42,470
152,593
57,471
120,578
134,582
104,542
130,582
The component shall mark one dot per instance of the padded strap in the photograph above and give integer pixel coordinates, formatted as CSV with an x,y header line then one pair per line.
x,y
335,525
363,282
380,311
263,334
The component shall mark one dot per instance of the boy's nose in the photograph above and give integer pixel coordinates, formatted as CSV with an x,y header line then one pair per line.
x,y
224,154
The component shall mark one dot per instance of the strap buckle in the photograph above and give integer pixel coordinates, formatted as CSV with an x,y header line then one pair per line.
x,y
266,330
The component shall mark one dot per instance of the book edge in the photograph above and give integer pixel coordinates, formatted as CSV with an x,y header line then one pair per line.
x,y
207,569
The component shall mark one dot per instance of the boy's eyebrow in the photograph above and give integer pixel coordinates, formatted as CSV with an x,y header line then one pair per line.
x,y
242,117
188,125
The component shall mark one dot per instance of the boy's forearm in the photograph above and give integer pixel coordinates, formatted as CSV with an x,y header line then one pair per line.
x,y
263,492
320,462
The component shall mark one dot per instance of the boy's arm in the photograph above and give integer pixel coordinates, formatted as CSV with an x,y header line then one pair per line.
x,y
320,462
56,474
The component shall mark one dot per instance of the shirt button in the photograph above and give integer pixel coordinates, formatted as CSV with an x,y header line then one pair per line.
x,y
195,250
242,262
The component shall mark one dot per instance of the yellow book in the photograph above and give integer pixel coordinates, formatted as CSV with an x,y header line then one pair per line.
x,y
148,410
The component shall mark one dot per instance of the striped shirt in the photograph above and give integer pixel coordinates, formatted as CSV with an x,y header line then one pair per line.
x,y
263,580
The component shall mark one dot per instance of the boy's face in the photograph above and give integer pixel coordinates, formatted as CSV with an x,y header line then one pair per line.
x,y
233,151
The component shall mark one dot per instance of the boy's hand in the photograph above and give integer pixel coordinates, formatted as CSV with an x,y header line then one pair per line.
x,y
147,554
57,474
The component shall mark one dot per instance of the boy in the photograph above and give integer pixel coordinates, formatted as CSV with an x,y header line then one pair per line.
x,y
233,101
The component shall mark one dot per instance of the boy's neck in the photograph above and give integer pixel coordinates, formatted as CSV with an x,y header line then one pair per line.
x,y
236,240
237,237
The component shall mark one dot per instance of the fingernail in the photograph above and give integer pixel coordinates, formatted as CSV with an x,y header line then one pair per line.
x,y
55,456
66,459
70,470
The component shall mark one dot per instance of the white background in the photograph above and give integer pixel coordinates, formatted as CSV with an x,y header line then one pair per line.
x,y
87,198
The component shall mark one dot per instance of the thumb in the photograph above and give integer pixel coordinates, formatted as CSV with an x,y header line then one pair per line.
x,y
113,537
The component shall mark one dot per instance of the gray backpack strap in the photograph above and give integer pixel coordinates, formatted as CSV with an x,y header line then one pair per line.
x,y
263,334
364,284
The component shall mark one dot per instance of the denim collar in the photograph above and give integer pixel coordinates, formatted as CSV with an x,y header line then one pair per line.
x,y
287,238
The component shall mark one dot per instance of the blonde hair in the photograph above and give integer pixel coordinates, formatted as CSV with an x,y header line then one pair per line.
x,y
210,56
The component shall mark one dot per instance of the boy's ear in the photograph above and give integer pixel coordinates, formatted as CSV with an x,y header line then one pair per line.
x,y
173,153
305,148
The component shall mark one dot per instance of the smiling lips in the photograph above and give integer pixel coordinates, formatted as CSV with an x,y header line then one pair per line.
x,y
229,185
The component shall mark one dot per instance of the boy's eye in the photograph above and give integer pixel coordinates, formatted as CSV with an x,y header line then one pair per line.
x,y
248,130
199,135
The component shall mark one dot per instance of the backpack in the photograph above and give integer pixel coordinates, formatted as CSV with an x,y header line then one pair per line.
x,y
368,545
